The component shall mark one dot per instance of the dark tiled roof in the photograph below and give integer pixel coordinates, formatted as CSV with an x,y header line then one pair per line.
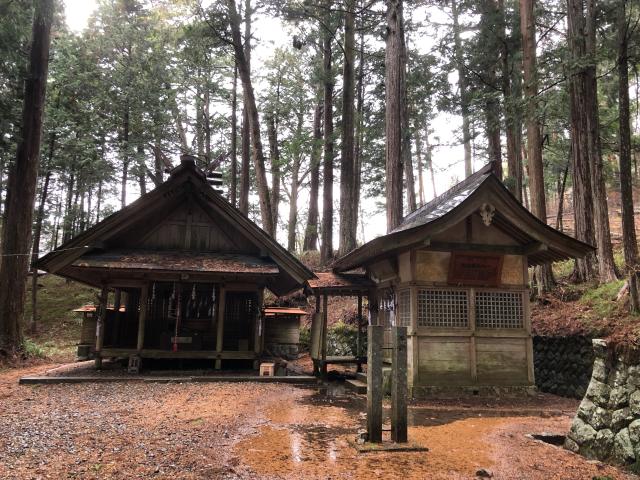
x,y
177,261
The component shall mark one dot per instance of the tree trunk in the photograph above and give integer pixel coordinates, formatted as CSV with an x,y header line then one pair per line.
x,y
534,144
16,240
418,140
407,159
629,240
394,79
357,155
582,192
274,153
562,183
295,184
246,135
326,250
36,244
254,123
511,95
124,147
348,222
462,87
311,231
233,190
606,265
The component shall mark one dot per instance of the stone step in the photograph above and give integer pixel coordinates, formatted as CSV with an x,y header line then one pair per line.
x,y
357,386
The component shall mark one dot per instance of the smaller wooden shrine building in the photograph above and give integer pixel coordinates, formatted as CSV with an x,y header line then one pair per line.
x,y
190,269
455,272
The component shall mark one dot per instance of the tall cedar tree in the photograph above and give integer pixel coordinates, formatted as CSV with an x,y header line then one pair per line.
x,y
254,122
394,76
311,231
629,240
534,143
233,188
21,192
462,89
246,133
580,146
348,216
326,250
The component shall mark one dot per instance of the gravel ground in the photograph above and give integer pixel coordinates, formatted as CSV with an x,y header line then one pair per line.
x,y
270,431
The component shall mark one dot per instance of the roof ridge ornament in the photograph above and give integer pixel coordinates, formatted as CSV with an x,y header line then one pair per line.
x,y
487,212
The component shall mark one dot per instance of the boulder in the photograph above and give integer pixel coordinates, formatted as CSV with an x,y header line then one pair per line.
x,y
603,443
621,418
634,432
581,432
599,370
623,448
619,397
598,392
634,402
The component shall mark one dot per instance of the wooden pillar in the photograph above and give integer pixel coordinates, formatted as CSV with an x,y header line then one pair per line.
x,y
373,307
325,315
359,334
413,353
258,330
102,315
375,336
142,317
399,385
220,325
117,303
473,348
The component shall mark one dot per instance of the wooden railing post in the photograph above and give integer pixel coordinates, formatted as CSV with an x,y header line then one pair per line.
x,y
374,383
399,385
102,315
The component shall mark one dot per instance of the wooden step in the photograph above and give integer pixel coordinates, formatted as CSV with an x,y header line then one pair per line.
x,y
356,385
361,376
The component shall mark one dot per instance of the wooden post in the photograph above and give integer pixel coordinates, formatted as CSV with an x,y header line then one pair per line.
x,y
220,330
399,385
473,348
373,307
102,315
258,330
142,317
359,335
375,335
117,303
325,315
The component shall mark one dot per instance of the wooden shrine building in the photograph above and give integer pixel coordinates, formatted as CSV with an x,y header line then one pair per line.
x,y
190,269
455,272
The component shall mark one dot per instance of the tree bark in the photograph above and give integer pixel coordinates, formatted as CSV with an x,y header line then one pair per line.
x,y
606,265
246,135
407,160
311,231
394,77
295,185
274,154
582,190
562,183
16,240
534,145
254,123
36,242
348,221
629,240
462,87
357,155
326,250
233,190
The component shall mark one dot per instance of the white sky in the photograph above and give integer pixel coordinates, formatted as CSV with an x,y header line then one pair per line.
x,y
270,34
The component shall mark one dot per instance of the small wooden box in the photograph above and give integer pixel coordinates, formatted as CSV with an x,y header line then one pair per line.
x,y
267,369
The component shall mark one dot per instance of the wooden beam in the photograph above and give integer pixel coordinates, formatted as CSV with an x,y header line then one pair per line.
x,y
220,325
477,247
325,318
359,331
102,315
142,316
258,329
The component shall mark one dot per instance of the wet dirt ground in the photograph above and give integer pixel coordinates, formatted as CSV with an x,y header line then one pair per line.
x,y
268,431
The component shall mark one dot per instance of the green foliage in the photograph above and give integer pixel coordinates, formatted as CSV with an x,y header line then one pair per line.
x,y
602,299
32,349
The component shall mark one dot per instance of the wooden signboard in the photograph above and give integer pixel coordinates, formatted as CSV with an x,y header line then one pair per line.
x,y
475,269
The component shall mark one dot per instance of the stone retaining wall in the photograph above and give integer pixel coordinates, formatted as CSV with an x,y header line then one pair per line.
x,y
607,424
563,365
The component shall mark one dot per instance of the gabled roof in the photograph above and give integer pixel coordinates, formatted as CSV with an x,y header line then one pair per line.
x,y
540,242
186,181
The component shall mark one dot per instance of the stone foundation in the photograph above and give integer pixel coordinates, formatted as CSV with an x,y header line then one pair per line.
x,y
563,365
607,424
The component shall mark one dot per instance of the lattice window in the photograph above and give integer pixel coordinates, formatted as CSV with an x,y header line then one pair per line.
x,y
404,308
499,310
443,308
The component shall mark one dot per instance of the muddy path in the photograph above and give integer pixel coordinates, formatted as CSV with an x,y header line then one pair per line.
x,y
267,431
